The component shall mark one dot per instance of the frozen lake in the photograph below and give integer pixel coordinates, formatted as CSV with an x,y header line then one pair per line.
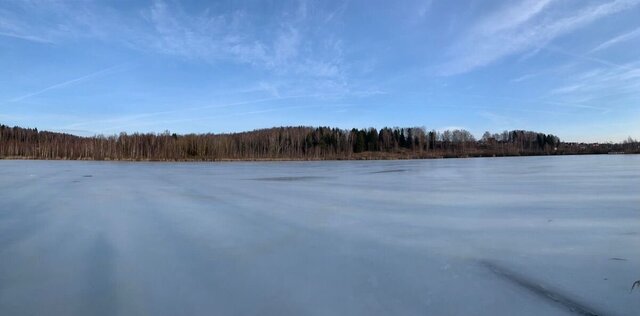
x,y
498,236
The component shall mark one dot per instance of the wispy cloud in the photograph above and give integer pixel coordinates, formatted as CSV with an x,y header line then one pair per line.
x,y
171,121
524,77
511,17
298,40
600,61
63,84
618,39
133,120
12,26
499,121
546,100
233,37
205,36
524,26
577,105
179,110
568,89
26,37
424,7
52,22
598,88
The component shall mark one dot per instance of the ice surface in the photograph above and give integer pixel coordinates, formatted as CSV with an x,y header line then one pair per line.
x,y
497,236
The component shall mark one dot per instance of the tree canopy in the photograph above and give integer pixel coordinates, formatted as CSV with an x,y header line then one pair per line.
x,y
298,143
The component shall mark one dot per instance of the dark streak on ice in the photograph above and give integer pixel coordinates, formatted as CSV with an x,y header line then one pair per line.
x,y
389,171
299,178
540,290
618,259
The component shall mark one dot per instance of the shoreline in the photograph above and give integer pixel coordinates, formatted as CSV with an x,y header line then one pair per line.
x,y
368,158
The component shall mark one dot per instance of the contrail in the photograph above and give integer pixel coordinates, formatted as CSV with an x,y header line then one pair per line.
x,y
151,114
66,83
27,37
211,106
218,116
617,39
588,58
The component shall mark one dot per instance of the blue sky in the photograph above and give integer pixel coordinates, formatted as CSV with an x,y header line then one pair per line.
x,y
567,67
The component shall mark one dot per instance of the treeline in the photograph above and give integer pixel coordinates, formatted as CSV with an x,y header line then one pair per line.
x,y
297,143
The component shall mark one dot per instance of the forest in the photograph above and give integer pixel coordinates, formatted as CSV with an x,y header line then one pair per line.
x,y
293,143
